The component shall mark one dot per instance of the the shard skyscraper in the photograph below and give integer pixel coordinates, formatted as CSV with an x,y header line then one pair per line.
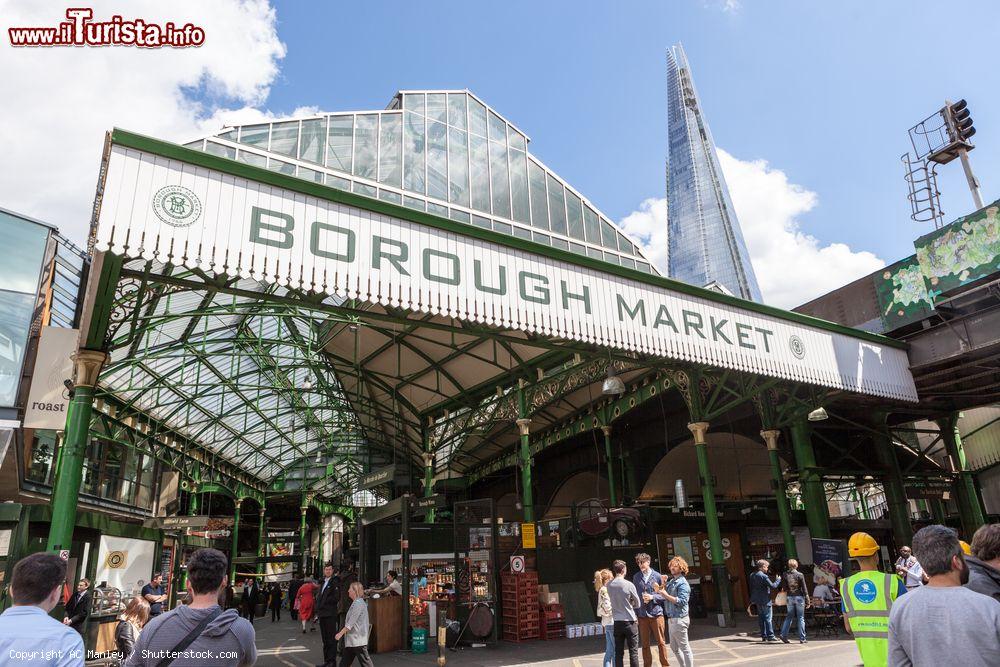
x,y
705,241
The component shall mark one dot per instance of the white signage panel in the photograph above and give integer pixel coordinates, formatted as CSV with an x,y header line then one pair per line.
x,y
124,563
48,398
159,208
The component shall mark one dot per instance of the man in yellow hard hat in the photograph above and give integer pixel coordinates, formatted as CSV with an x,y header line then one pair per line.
x,y
867,598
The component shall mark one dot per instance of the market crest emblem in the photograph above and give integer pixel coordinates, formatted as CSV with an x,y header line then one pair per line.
x,y
117,560
797,347
177,206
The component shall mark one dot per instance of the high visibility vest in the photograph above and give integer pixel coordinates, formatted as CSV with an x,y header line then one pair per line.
x,y
868,597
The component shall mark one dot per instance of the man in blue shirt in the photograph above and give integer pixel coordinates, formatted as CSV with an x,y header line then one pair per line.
x,y
647,582
760,595
153,592
677,592
28,634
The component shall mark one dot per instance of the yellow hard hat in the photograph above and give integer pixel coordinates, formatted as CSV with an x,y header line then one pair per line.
x,y
966,549
862,544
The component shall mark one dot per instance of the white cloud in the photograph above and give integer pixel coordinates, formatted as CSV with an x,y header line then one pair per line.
x,y
59,102
792,267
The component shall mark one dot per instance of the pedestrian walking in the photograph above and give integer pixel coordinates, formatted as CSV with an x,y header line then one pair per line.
x,y
250,599
624,602
606,614
984,563
908,568
867,597
26,628
650,613
761,586
943,623
356,629
677,593
326,610
304,602
293,589
274,596
794,585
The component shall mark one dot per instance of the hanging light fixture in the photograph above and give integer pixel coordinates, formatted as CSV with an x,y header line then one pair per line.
x,y
613,385
818,415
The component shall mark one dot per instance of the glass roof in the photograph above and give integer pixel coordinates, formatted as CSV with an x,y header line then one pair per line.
x,y
445,152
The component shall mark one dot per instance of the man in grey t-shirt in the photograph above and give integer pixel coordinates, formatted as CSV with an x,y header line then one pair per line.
x,y
943,623
624,601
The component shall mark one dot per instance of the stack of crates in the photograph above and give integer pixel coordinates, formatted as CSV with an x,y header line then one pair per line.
x,y
551,621
520,606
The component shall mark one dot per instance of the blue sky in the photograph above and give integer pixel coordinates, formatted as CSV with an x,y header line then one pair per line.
x,y
824,92
810,102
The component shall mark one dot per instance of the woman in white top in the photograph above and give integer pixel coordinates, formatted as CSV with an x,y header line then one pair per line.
x,y
604,612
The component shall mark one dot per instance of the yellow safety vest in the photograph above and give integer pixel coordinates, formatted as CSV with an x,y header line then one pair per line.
x,y
868,597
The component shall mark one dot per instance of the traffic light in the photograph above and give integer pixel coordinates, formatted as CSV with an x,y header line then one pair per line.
x,y
961,120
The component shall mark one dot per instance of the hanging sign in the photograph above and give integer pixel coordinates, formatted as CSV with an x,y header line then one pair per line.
x,y
528,535
48,398
376,478
211,219
425,505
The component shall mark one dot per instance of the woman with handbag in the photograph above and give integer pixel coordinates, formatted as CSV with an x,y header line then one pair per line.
x,y
130,625
606,614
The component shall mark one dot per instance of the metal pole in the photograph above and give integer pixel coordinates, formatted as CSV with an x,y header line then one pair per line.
x,y
784,513
234,550
963,155
719,571
428,474
260,541
969,507
66,492
302,537
404,559
612,490
524,426
817,513
892,484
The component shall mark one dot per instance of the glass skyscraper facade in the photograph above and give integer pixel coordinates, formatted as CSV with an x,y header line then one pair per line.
x,y
441,151
705,243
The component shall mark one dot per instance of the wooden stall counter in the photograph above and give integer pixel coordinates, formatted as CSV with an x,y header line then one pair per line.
x,y
385,614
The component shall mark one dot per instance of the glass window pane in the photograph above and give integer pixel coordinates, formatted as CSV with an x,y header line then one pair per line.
x,y
365,141
459,215
480,221
627,261
480,174
543,238
498,128
338,182
254,135
437,160
503,228
285,138
414,102
560,243
458,167
415,153
557,206
574,215
310,175
390,196
609,237
437,107
595,253
220,150
340,143
367,190
522,233
313,133
229,135
252,158
519,187
390,148
500,179
413,202
281,167
592,225
577,248
539,207
623,244
456,110
516,139
437,209
477,118
642,266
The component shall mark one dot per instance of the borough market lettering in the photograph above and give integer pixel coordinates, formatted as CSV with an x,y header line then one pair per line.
x,y
338,243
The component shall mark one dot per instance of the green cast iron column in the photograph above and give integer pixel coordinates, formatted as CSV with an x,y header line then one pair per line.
x,y
428,475
302,535
628,467
612,486
260,541
524,426
193,503
784,513
74,449
937,510
234,550
813,493
719,572
892,484
969,506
